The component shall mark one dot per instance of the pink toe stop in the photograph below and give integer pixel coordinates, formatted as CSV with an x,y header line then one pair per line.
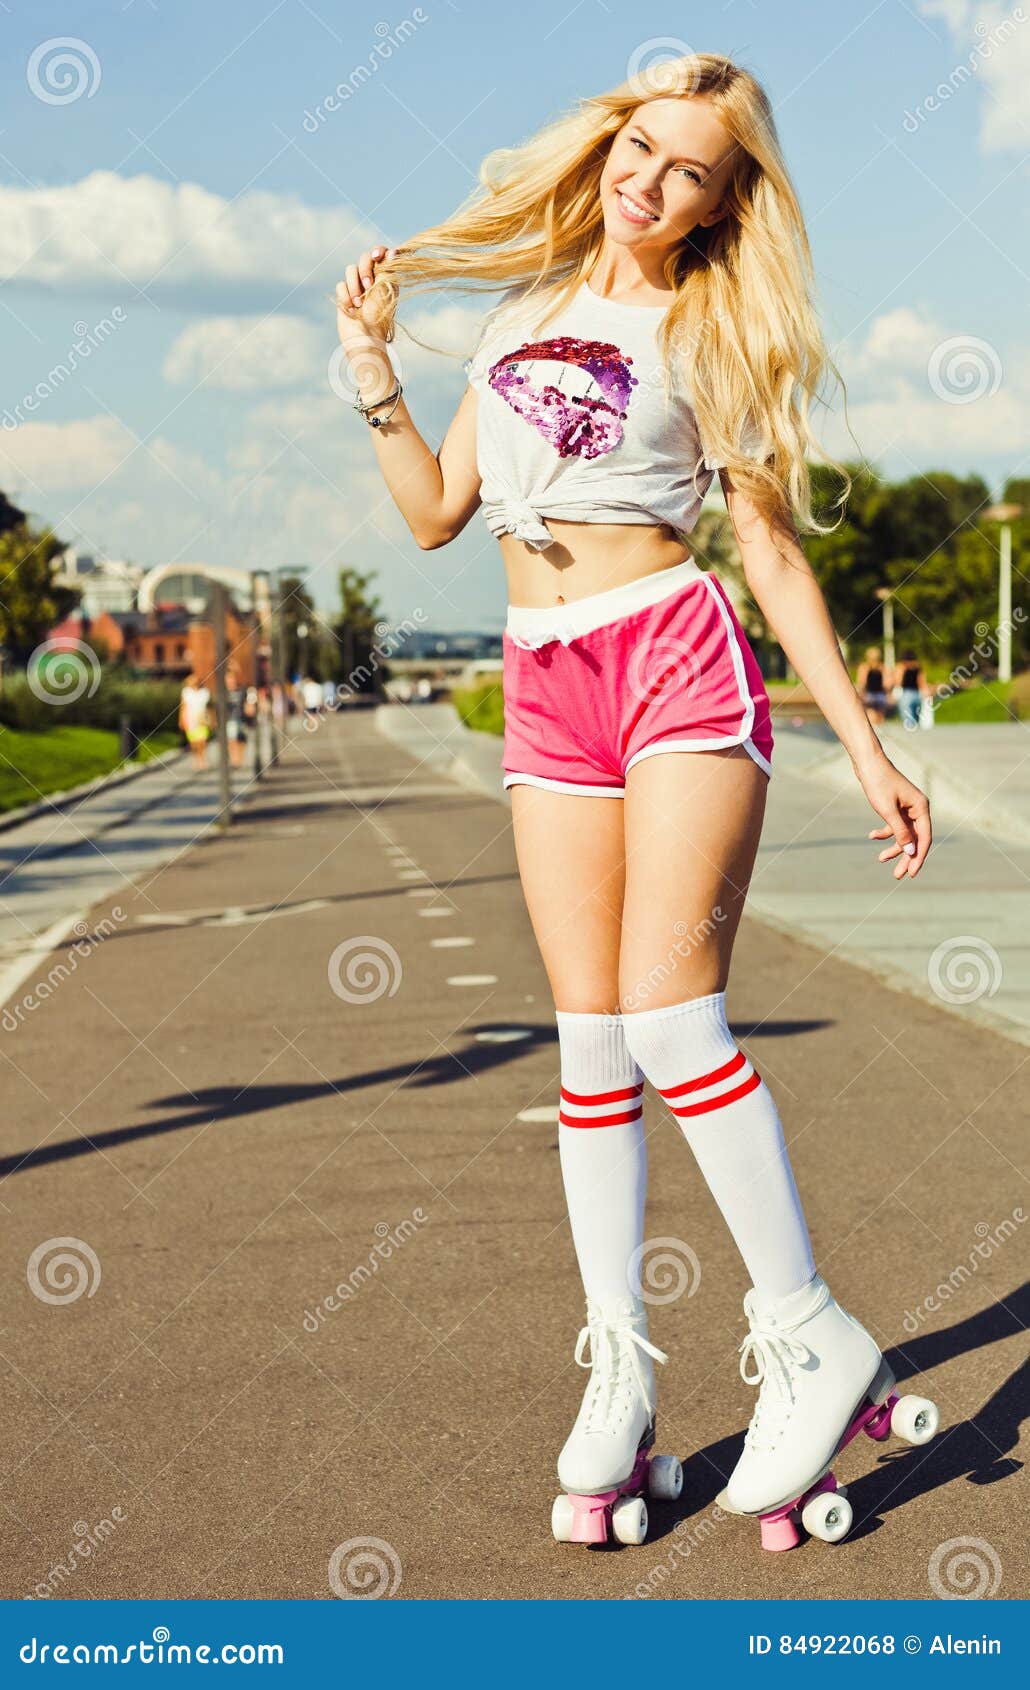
x,y
778,1531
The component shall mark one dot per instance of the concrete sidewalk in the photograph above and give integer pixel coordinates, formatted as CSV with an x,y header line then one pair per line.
x,y
295,1137
976,774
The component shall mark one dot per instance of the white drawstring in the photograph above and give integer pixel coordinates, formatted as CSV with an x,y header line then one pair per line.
x,y
561,628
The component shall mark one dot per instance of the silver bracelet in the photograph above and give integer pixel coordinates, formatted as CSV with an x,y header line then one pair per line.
x,y
392,399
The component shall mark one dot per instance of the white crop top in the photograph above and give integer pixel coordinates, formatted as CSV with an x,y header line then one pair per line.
x,y
576,425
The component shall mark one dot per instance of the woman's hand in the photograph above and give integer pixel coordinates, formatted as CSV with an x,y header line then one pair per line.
x,y
906,814
352,292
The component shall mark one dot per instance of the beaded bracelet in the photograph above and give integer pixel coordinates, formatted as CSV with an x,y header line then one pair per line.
x,y
392,399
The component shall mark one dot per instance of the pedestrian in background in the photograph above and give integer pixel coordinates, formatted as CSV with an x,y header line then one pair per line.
x,y
912,689
194,718
871,685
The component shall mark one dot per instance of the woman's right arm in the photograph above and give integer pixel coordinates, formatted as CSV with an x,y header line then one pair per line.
x,y
436,493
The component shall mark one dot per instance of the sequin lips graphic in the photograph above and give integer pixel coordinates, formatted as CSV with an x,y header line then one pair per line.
x,y
574,392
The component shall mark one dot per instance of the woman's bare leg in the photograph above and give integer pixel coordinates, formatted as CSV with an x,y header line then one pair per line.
x,y
693,821
571,858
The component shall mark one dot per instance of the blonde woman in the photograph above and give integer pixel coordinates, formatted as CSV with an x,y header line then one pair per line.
x,y
656,327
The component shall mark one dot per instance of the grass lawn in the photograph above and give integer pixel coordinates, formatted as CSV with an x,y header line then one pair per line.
x,y
33,764
998,701
482,706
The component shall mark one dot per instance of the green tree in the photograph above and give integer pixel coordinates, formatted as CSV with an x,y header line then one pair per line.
x,y
296,611
361,663
946,606
29,601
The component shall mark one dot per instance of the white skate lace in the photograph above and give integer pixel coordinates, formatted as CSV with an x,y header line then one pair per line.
x,y
774,1353
616,1368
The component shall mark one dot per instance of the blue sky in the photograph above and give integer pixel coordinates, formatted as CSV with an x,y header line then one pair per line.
x,y
182,218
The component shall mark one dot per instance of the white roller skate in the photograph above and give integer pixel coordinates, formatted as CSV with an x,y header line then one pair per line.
x,y
823,1380
606,1464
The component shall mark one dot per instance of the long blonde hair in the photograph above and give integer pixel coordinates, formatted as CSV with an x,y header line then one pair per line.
x,y
742,326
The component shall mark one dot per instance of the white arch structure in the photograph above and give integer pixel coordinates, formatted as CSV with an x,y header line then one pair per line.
x,y
239,581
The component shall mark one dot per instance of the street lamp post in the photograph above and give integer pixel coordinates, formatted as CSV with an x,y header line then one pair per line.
x,y
886,597
1006,515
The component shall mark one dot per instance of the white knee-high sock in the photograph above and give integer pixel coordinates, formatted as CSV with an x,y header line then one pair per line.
x,y
602,1151
731,1123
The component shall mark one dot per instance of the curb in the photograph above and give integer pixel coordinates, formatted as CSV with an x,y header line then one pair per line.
x,y
453,764
950,796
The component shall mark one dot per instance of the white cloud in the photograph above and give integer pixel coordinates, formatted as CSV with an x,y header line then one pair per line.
x,y
992,41
112,229
253,353
58,456
244,354
909,382
900,340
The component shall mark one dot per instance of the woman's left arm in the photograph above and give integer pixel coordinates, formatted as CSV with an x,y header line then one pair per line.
x,y
791,600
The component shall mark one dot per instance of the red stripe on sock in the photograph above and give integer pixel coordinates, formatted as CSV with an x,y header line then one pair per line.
x,y
602,1096
725,1097
599,1120
731,1067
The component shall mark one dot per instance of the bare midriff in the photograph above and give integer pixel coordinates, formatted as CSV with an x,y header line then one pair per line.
x,y
586,558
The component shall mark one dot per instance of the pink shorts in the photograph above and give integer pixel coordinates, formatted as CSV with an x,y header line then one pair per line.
x,y
660,664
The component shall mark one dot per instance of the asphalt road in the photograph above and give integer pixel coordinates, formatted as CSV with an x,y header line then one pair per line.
x,y
230,1115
